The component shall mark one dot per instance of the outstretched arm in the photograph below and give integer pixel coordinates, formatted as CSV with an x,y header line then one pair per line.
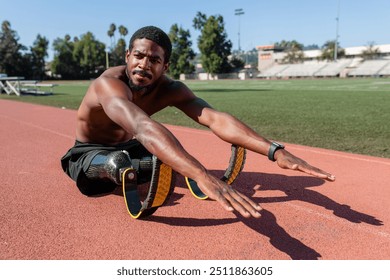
x,y
232,130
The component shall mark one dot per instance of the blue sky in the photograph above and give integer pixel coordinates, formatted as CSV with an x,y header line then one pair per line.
x,y
264,21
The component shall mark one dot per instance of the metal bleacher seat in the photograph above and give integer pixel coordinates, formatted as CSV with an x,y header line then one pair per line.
x,y
273,71
36,87
385,71
302,70
369,68
333,69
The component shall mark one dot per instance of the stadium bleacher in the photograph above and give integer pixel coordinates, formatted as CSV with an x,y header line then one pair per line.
x,y
333,69
369,68
385,71
303,70
378,67
273,71
353,64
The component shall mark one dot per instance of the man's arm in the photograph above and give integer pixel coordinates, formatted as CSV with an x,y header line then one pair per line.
x,y
232,130
162,143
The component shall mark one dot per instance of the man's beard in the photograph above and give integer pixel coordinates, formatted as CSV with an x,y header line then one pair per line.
x,y
135,87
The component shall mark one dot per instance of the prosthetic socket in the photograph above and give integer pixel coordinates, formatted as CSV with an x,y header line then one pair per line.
x,y
110,165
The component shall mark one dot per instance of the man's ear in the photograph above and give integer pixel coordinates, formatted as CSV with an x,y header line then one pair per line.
x,y
166,67
127,55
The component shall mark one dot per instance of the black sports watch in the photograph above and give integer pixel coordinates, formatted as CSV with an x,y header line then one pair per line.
x,y
274,147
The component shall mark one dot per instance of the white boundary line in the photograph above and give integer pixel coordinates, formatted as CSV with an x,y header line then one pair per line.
x,y
37,126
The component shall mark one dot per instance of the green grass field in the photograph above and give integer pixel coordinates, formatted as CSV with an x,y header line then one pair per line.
x,y
351,115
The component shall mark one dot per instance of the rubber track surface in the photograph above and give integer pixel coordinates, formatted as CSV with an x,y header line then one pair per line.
x,y
43,215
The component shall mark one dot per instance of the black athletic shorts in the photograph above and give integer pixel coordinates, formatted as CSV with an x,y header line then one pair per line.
x,y
78,159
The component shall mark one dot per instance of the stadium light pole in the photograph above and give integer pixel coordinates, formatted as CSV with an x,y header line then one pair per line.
x,y
239,13
337,32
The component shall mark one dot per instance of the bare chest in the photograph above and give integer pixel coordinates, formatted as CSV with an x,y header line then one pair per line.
x,y
151,104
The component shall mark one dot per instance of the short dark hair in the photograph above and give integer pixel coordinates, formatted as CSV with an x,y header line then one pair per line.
x,y
156,35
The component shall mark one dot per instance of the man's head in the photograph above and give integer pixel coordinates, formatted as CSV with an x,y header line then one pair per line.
x,y
147,58
156,35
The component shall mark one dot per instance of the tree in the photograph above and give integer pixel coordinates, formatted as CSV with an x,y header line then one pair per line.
x,y
117,49
328,51
182,53
90,56
213,43
12,61
82,58
293,49
371,52
250,58
311,47
123,31
64,63
117,56
237,63
38,54
111,34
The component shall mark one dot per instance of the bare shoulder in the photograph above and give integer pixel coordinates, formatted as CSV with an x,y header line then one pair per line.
x,y
111,82
117,72
175,85
178,92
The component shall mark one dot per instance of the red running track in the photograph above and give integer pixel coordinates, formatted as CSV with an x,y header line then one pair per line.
x,y
43,215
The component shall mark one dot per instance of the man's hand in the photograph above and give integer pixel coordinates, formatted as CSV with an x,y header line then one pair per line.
x,y
229,198
287,160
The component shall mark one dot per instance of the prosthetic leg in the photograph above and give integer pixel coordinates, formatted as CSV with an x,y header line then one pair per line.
x,y
120,169
236,164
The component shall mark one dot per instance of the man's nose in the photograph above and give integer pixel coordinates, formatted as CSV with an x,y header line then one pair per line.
x,y
145,63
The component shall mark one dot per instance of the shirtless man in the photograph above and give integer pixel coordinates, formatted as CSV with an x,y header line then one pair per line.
x,y
115,115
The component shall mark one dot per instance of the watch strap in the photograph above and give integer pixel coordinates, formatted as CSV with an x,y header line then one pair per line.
x,y
274,147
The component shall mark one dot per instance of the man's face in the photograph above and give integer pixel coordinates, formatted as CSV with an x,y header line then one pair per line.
x,y
145,64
